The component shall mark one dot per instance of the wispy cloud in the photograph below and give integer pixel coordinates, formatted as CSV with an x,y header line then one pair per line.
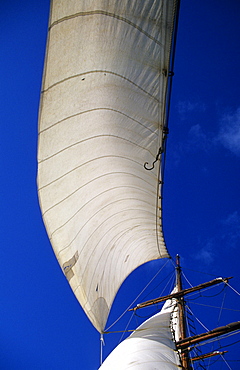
x,y
185,107
206,253
197,137
231,230
229,133
227,238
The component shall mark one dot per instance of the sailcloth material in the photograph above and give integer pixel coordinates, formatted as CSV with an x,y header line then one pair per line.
x,y
101,118
151,346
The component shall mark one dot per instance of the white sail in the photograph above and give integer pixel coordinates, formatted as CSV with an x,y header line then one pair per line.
x,y
101,118
151,346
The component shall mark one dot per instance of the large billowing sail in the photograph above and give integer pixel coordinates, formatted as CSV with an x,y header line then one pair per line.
x,y
102,117
151,346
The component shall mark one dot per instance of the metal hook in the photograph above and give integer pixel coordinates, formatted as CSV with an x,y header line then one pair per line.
x,y
157,158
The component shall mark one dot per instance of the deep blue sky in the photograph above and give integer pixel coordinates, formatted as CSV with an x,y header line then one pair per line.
x,y
42,324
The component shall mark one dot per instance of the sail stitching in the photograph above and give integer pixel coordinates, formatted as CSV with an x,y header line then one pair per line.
x,y
89,182
85,163
97,109
100,71
93,199
119,235
107,219
108,14
91,138
116,238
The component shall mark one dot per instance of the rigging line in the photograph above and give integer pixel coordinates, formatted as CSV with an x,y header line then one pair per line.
x,y
197,319
227,345
204,296
206,305
221,308
201,272
126,328
231,344
214,295
212,362
168,282
187,324
146,316
232,288
154,277
101,348
187,279
214,340
226,362
219,316
208,341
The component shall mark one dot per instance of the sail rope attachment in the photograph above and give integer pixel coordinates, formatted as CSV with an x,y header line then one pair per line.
x,y
160,151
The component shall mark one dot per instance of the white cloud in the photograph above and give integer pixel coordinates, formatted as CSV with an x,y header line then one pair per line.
x,y
229,134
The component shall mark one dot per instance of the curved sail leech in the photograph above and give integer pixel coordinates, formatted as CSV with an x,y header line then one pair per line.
x,y
139,97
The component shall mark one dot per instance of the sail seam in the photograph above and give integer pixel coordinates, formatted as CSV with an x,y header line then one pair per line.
x,y
93,110
89,182
92,138
108,230
108,14
107,219
99,71
93,199
85,163
116,239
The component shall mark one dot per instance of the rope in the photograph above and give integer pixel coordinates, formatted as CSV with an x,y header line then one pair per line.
x,y
197,319
208,305
235,291
126,327
226,362
101,348
221,308
187,279
216,339
169,282
154,277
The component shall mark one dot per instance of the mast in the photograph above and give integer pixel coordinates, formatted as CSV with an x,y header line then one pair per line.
x,y
181,310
